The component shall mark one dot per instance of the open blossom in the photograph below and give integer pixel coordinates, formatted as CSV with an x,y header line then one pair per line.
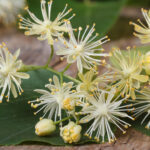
x,y
104,108
127,69
10,77
9,10
143,101
90,81
142,31
71,133
146,63
58,96
46,28
83,50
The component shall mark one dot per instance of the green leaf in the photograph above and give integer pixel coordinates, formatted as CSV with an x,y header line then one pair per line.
x,y
17,120
141,127
103,13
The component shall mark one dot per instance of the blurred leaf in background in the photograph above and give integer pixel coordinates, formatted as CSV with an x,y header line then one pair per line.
x,y
140,3
102,12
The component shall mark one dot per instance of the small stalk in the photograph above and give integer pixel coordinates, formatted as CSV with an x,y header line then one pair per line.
x,y
67,118
66,68
51,56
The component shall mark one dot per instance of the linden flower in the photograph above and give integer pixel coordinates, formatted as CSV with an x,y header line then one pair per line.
x,y
90,80
104,109
143,32
127,72
143,100
46,29
9,10
71,133
10,78
146,63
83,49
60,96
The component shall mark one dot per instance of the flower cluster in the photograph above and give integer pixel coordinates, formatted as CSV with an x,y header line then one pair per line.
x,y
141,31
60,96
97,100
46,28
10,77
127,70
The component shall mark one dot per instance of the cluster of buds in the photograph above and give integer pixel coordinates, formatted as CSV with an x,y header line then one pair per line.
x,y
71,133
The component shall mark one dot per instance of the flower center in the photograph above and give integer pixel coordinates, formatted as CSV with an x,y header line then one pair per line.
x,y
79,49
67,104
103,110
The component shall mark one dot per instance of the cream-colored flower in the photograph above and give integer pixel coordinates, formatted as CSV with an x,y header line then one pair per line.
x,y
146,63
46,28
104,108
142,31
127,69
9,10
45,127
90,81
71,133
10,77
143,100
83,50
58,96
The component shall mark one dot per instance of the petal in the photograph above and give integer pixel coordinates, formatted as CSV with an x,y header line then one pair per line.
x,y
22,75
141,78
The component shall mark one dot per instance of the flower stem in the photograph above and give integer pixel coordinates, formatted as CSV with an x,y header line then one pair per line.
x,y
67,118
50,57
26,68
66,68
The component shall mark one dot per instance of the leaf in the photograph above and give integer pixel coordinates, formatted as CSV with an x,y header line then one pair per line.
x,y
103,13
141,127
17,120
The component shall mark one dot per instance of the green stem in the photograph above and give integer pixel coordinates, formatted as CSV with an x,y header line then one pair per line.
x,y
67,118
50,57
66,68
26,68
77,121
61,77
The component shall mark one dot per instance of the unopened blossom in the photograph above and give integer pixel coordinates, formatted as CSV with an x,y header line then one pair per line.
x,y
58,96
127,69
9,10
146,63
143,105
45,127
71,133
46,29
10,77
143,31
84,50
104,109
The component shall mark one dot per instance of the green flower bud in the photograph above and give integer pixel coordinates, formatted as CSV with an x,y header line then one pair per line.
x,y
45,127
146,63
71,133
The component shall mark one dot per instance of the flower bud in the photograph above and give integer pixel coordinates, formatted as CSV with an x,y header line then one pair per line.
x,y
71,133
146,63
45,127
